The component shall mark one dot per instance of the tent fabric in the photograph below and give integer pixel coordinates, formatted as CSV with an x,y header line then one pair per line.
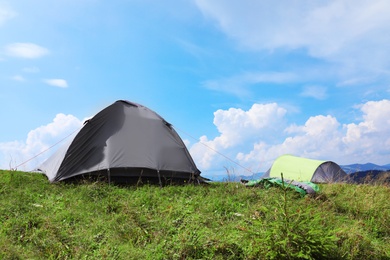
x,y
329,172
124,139
303,169
302,188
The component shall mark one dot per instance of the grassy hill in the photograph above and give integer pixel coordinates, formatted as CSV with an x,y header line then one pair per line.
x,y
93,220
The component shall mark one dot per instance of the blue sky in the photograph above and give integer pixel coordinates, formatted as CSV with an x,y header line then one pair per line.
x,y
251,79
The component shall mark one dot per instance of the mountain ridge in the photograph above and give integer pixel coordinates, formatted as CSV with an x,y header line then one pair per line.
x,y
358,167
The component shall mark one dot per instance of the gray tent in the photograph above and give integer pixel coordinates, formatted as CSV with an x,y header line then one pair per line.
x,y
124,141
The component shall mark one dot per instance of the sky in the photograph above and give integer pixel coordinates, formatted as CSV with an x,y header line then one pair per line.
x,y
242,82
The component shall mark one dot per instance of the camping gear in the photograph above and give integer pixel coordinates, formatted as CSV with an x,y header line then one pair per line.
x,y
303,169
302,188
124,141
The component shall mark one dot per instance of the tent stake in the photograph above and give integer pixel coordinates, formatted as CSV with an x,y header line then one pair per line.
x,y
109,176
159,178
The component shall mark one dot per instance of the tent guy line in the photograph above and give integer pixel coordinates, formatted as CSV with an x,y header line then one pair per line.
x,y
214,150
125,142
47,149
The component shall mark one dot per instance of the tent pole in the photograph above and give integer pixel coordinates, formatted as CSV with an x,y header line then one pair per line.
x,y
159,178
195,179
140,177
109,176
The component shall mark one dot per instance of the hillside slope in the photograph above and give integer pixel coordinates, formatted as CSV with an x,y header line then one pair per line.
x,y
93,220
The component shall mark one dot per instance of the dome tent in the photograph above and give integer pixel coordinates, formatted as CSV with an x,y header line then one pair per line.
x,y
307,170
124,141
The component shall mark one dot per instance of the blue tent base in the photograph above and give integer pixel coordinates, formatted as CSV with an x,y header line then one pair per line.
x,y
301,187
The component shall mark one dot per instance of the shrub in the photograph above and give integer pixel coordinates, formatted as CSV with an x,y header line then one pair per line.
x,y
297,233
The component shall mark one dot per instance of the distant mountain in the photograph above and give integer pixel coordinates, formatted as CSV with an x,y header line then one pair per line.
x,y
357,167
371,176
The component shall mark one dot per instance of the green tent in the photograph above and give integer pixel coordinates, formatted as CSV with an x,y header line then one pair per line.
x,y
303,169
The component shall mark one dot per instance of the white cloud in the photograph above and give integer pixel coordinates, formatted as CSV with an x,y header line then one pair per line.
x,y
321,137
237,127
18,78
317,92
318,138
31,70
204,152
186,142
61,83
5,14
254,138
238,84
351,32
38,140
324,27
371,136
25,50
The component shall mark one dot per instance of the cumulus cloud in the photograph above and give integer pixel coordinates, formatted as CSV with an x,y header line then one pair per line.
x,y
370,138
320,137
25,50
238,127
61,83
37,141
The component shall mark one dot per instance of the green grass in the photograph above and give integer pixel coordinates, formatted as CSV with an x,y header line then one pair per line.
x,y
39,220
